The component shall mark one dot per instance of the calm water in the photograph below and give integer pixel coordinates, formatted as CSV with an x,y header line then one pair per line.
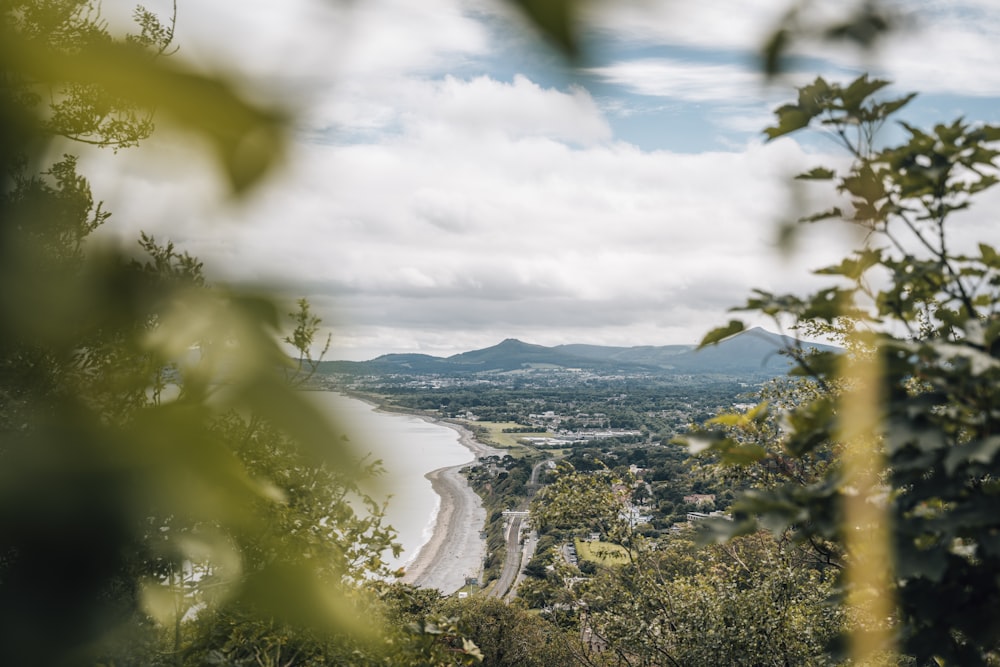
x,y
409,448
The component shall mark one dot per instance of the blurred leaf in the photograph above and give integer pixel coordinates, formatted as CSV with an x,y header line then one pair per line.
x,y
161,601
296,596
990,132
887,108
721,333
247,140
864,27
790,119
834,212
285,408
469,648
827,305
817,174
774,50
556,19
699,442
989,255
818,364
743,455
718,530
856,266
859,90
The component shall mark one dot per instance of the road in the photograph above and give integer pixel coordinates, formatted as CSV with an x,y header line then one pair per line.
x,y
535,471
512,559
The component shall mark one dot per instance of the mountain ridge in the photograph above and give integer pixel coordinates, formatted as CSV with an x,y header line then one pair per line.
x,y
753,352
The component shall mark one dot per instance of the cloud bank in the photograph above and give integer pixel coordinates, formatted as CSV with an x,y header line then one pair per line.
x,y
436,202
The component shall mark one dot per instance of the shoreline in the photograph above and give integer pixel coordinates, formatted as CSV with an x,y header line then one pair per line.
x,y
455,549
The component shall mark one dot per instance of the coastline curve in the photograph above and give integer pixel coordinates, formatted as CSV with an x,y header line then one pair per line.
x,y
455,550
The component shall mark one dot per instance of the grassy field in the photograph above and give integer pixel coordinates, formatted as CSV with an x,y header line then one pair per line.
x,y
603,553
505,440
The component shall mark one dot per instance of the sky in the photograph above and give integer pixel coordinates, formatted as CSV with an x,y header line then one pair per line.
x,y
452,181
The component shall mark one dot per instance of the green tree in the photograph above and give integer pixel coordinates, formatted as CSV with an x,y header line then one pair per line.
x,y
916,385
154,459
77,109
585,501
755,601
751,602
507,635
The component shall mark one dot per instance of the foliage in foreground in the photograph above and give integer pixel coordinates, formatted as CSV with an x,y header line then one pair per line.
x,y
897,435
137,488
874,468
156,466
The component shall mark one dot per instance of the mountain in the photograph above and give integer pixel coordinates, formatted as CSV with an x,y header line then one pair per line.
x,y
751,353
756,351
752,350
414,363
512,354
647,355
506,355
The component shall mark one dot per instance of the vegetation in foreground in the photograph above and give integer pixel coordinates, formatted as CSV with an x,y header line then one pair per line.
x,y
154,515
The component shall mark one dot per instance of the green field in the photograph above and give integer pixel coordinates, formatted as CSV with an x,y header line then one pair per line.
x,y
602,553
505,440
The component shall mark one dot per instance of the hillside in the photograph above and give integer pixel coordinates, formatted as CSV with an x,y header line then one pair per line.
x,y
751,353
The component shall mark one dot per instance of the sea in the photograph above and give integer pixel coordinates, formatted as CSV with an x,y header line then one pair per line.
x,y
409,448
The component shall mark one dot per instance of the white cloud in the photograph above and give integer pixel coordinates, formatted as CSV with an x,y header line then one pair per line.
x,y
449,211
494,234
525,109
478,106
684,80
483,106
949,55
295,51
938,46
719,24
380,37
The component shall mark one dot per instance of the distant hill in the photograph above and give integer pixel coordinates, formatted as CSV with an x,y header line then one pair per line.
x,y
753,349
513,354
647,355
751,353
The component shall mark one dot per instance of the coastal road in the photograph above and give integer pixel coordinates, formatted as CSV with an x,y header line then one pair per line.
x,y
536,470
512,564
530,544
511,561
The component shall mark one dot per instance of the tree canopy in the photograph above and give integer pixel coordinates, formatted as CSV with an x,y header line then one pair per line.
x,y
154,458
898,430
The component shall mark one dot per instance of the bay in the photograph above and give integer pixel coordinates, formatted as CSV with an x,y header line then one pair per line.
x,y
409,447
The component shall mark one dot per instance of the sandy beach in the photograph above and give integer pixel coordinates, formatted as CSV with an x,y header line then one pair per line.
x,y
455,550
